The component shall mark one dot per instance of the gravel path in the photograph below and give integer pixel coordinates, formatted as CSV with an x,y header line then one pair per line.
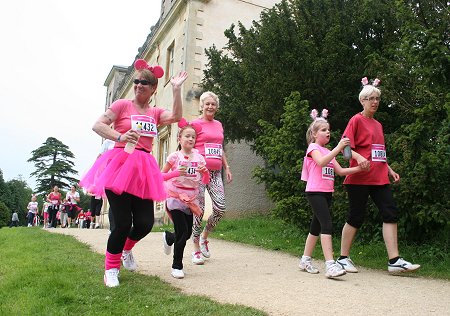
x,y
271,281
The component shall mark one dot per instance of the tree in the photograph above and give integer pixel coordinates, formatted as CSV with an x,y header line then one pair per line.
x,y
318,48
4,190
15,195
20,195
53,165
322,48
5,214
284,158
418,76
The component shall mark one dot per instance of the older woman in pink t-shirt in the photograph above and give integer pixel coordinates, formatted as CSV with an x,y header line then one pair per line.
x,y
368,147
209,144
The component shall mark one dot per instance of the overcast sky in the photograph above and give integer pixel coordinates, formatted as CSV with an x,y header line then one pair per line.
x,y
55,57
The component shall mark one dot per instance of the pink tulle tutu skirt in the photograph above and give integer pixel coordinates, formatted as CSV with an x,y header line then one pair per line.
x,y
136,173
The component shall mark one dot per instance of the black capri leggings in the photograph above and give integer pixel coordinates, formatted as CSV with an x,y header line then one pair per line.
x,y
133,218
96,206
382,197
321,204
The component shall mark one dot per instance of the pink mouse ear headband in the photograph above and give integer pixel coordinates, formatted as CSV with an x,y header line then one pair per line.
x,y
375,82
314,114
183,123
157,71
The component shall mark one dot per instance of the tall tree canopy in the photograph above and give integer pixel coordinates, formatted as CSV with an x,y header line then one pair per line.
x,y
322,49
15,195
53,165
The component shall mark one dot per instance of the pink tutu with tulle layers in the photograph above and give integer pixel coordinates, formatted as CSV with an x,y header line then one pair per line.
x,y
116,170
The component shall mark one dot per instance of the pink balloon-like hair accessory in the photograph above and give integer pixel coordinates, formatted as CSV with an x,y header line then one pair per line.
x,y
157,71
183,123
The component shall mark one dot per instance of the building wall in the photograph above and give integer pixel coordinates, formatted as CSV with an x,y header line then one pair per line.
x,y
190,27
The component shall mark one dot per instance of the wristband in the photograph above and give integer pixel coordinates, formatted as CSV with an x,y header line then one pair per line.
x,y
118,138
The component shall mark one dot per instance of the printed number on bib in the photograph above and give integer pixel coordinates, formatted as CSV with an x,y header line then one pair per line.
x,y
378,153
191,168
328,172
213,151
144,124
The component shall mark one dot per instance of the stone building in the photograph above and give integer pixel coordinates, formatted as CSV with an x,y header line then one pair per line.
x,y
177,42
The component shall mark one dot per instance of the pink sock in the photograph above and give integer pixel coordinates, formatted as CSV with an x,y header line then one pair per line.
x,y
129,244
112,260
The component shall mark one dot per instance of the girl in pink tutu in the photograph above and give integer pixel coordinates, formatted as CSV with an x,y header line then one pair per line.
x,y
184,170
131,179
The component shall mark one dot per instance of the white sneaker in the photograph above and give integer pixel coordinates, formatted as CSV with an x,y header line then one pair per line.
x,y
111,277
128,260
347,264
401,265
29,225
97,226
177,274
334,270
204,247
306,265
167,248
197,258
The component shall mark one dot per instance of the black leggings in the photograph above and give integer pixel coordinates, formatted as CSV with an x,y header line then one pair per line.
x,y
96,206
52,211
321,205
133,218
381,195
182,223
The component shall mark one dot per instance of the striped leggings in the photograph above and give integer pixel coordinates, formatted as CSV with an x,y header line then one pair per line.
x,y
216,192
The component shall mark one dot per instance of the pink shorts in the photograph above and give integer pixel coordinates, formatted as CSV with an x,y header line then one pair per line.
x,y
45,215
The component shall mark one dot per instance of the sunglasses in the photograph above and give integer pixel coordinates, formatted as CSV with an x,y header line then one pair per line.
x,y
371,99
142,82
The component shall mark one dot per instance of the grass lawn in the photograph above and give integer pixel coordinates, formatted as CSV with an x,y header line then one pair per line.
x,y
53,274
269,233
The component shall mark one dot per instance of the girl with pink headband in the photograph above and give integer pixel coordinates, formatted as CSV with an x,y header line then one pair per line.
x,y
131,180
184,170
319,167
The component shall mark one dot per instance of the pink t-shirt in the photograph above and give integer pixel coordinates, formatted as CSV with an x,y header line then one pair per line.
x,y
367,139
124,109
209,143
54,197
318,179
192,179
189,183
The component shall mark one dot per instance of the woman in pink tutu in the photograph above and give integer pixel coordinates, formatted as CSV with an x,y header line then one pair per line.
x,y
128,174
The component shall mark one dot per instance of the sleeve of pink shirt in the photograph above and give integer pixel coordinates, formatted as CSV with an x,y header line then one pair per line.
x,y
118,106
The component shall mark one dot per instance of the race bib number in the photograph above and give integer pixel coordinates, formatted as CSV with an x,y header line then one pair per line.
x,y
328,172
144,124
191,168
213,151
378,153
54,202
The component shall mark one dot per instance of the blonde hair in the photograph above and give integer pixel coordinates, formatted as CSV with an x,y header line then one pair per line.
x,y
208,94
313,128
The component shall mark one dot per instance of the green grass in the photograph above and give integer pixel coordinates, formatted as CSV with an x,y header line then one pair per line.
x,y
52,274
269,233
